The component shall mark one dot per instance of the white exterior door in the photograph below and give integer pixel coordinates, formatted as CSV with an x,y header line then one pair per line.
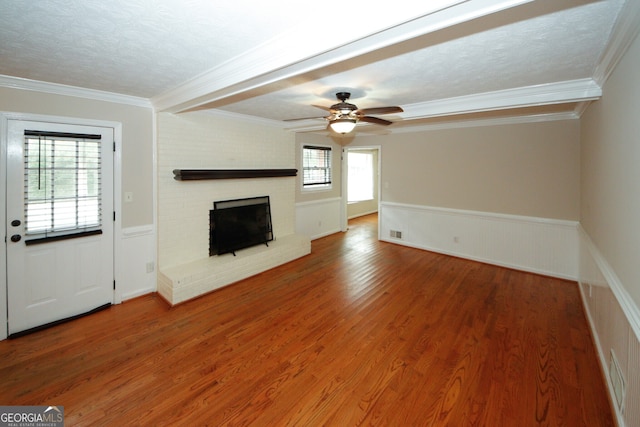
x,y
59,201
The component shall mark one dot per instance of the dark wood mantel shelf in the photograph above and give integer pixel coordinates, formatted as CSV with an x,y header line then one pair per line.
x,y
200,174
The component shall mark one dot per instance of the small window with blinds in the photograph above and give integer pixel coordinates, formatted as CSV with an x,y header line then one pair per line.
x,y
316,167
62,188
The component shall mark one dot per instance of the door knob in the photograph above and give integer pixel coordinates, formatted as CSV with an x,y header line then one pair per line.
x,y
15,223
16,238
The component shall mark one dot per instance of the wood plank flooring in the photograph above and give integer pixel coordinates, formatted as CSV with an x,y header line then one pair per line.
x,y
360,332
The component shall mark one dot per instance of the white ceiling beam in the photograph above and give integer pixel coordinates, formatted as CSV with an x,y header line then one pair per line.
x,y
308,47
529,96
581,91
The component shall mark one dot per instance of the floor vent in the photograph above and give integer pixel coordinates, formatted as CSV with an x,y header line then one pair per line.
x,y
396,234
617,381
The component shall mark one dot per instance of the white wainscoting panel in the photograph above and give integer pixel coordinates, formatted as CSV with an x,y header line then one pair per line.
x,y
137,265
538,245
615,324
318,218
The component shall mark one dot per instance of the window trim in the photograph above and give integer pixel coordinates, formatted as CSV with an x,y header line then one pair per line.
x,y
372,158
316,187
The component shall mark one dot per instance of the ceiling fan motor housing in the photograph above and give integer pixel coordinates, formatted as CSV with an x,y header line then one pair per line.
x,y
343,108
345,112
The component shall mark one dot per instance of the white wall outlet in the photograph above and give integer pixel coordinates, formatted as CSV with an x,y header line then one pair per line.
x,y
150,267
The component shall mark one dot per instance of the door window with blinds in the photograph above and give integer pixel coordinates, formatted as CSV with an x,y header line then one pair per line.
x,y
316,167
62,188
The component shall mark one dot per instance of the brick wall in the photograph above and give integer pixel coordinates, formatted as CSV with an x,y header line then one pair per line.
x,y
207,141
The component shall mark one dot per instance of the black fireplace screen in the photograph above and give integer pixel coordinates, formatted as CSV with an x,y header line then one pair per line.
x,y
238,224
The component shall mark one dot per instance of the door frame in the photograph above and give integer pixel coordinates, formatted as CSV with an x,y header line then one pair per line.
x,y
117,196
344,217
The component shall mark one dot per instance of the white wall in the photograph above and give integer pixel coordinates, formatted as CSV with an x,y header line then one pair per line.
x,y
538,245
135,175
610,213
207,141
137,262
319,218
615,324
610,206
501,194
527,169
137,151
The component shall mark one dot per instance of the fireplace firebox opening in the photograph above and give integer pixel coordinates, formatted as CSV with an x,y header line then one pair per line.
x,y
238,224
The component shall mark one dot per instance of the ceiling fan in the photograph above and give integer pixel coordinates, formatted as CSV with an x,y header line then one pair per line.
x,y
343,116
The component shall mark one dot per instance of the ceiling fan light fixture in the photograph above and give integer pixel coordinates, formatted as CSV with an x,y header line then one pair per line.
x,y
343,125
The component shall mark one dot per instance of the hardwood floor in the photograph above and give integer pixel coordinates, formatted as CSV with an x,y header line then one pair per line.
x,y
360,332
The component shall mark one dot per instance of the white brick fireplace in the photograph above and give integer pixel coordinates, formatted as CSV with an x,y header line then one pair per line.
x,y
207,141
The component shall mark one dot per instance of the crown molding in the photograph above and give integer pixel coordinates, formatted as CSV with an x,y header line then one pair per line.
x,y
78,92
497,121
581,107
528,96
280,58
623,34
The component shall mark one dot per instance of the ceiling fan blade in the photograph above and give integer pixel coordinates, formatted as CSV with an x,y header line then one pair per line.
x,y
304,118
321,107
375,120
380,110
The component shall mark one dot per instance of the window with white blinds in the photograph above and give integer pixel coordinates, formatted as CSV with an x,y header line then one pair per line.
x,y
316,167
62,188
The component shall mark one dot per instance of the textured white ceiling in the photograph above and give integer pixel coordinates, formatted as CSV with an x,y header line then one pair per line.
x,y
153,49
140,48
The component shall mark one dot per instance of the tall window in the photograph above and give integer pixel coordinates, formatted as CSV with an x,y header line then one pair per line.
x,y
61,183
361,176
316,167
